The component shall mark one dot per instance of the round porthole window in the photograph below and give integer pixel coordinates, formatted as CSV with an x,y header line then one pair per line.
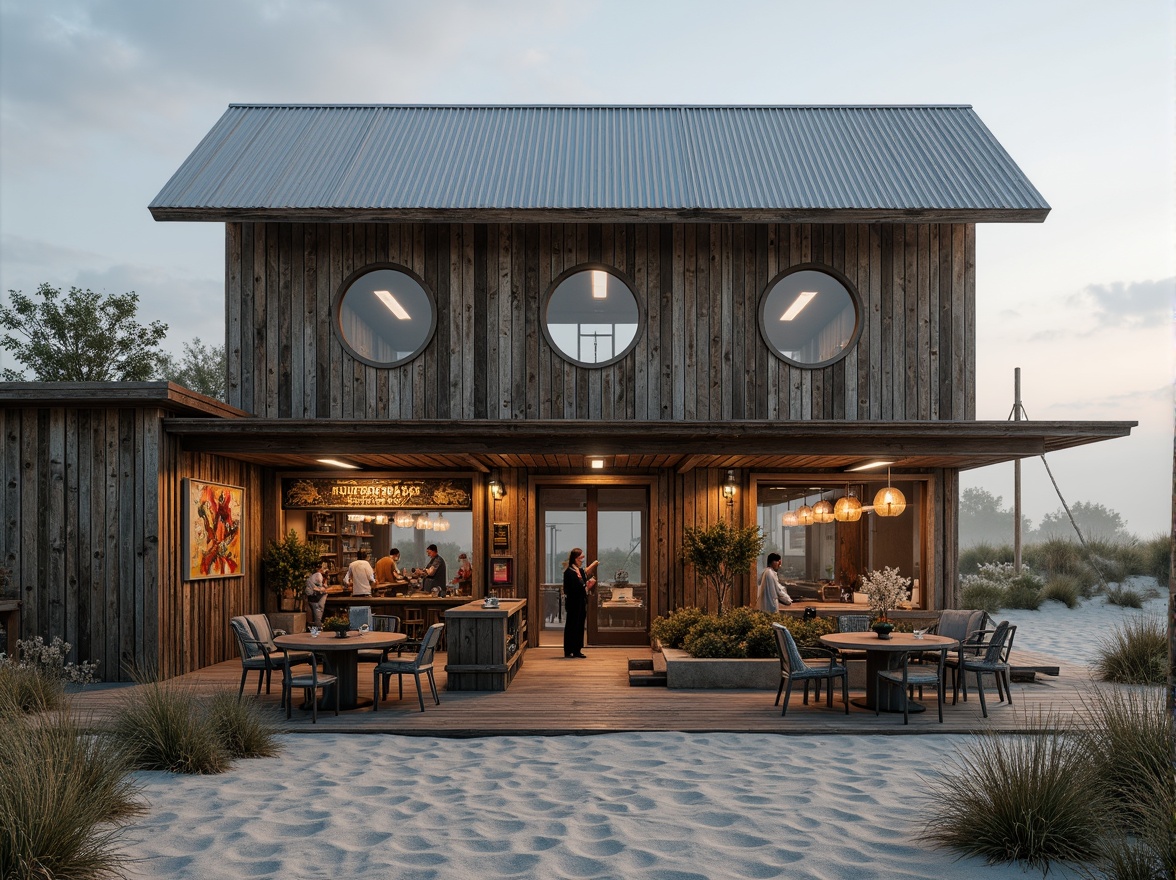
x,y
810,316
385,316
591,316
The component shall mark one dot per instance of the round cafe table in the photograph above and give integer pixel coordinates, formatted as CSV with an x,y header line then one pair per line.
x,y
343,656
886,654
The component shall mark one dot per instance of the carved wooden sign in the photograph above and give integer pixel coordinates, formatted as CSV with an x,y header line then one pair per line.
x,y
373,493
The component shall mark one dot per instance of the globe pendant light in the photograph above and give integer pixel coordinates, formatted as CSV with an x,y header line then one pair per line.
x,y
789,519
823,511
889,501
805,515
403,520
422,521
847,509
441,524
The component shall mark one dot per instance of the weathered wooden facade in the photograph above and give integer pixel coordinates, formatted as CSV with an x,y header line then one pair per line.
x,y
489,208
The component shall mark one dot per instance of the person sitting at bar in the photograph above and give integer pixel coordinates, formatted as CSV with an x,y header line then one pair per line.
x,y
771,592
360,576
388,568
433,574
463,581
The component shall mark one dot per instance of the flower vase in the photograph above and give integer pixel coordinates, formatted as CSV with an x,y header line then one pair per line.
x,y
883,629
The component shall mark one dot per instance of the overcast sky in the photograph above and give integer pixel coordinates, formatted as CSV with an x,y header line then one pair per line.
x,y
100,102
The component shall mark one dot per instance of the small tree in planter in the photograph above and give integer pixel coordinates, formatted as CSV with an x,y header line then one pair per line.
x,y
287,564
719,552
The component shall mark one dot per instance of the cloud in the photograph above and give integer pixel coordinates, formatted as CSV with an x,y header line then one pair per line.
x,y
1133,305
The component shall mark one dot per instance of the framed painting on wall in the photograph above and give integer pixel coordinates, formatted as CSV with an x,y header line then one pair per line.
x,y
501,571
213,525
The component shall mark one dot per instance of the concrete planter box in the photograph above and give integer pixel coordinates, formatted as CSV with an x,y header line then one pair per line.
x,y
684,671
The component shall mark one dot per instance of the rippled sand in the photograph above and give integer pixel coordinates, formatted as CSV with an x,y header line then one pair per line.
x,y
670,806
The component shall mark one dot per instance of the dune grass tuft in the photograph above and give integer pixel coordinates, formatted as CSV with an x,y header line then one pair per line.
x,y
27,689
1064,588
1125,597
165,726
983,596
1136,652
1130,748
64,796
1023,798
243,730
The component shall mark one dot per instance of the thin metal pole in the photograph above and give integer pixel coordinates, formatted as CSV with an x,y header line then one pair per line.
x,y
1017,477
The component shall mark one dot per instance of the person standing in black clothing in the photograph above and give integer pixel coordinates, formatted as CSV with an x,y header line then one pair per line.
x,y
576,584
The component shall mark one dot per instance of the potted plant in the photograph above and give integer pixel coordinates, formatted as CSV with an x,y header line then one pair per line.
x,y
720,552
884,590
287,564
338,625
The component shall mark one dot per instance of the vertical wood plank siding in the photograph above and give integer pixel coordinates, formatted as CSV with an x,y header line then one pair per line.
x,y
699,353
92,520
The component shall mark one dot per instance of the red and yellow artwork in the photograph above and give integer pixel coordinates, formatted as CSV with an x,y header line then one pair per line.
x,y
212,529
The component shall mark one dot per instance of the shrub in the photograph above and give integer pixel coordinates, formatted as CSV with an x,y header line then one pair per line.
x,y
708,639
984,596
671,631
1055,556
1064,588
1124,596
25,689
49,660
806,633
64,796
242,729
164,726
1024,591
761,641
1136,652
1024,798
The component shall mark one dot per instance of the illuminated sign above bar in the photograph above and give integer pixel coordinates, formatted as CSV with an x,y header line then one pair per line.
x,y
376,493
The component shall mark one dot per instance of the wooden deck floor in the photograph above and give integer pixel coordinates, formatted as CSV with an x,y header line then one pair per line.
x,y
552,695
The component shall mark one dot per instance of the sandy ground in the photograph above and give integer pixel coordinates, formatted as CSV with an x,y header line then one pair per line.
x,y
670,806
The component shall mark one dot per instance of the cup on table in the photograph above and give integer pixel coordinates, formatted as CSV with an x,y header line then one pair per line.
x,y
314,631
918,633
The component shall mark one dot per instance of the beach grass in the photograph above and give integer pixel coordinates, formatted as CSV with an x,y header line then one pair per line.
x,y
27,689
1124,597
1064,588
988,597
165,726
241,726
1130,751
64,796
1028,798
1135,652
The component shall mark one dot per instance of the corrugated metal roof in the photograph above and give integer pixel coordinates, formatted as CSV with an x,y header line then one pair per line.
x,y
688,162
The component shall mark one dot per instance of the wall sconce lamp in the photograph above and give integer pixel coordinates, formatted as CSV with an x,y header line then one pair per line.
x,y
730,487
497,490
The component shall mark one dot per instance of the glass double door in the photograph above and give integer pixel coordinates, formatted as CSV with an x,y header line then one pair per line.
x,y
611,525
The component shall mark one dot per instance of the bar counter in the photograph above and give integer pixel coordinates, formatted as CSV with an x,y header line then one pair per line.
x,y
486,645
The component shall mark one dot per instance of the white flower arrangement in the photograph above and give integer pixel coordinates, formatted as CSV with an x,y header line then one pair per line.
x,y
884,590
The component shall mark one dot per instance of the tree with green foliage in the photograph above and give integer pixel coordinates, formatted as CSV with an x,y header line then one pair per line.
x,y
203,369
81,337
984,521
1095,521
719,553
287,563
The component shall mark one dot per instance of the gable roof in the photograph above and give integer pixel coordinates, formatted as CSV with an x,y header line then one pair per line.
x,y
647,163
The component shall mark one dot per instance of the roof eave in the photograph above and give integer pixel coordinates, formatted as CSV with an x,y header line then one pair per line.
x,y
600,215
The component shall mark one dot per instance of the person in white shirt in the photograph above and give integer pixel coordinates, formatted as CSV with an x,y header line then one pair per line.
x,y
771,592
360,576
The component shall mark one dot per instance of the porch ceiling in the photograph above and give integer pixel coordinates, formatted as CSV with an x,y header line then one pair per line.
x,y
567,445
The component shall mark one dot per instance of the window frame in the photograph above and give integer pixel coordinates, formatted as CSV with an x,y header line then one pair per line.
x,y
840,278
337,314
623,279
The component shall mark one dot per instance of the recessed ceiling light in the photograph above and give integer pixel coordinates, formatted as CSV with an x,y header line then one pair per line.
x,y
799,303
336,463
870,465
596,463
394,307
